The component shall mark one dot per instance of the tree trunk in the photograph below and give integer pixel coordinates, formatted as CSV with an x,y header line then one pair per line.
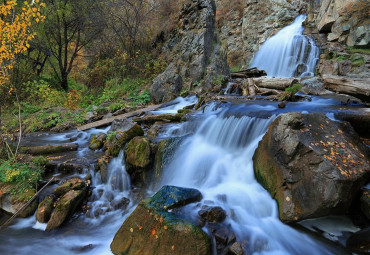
x,y
356,87
64,81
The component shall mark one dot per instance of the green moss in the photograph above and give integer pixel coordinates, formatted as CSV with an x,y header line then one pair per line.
x,y
360,50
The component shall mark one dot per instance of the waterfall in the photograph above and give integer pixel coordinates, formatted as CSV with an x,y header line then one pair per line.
x,y
289,53
217,160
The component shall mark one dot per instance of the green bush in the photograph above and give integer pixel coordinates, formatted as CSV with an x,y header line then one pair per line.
x,y
23,177
290,92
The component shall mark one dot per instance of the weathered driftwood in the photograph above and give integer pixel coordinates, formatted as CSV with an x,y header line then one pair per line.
x,y
274,83
248,73
49,149
268,92
108,121
357,87
251,88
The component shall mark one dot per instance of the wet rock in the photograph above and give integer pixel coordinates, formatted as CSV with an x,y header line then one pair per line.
x,y
359,242
102,167
116,140
97,141
66,207
365,203
314,86
29,210
151,224
121,203
71,184
138,157
121,125
235,249
82,249
74,165
165,153
305,156
154,130
45,209
281,105
213,214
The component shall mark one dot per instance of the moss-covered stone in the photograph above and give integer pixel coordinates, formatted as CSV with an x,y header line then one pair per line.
x,y
97,141
115,141
65,208
138,152
71,184
151,229
165,152
29,210
45,209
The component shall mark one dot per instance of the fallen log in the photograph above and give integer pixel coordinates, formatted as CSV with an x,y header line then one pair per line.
x,y
248,73
274,83
357,87
161,117
49,149
268,92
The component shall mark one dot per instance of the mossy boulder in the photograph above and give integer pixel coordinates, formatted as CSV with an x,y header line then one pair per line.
x,y
165,152
151,229
311,165
71,184
29,210
138,158
116,140
97,141
66,207
45,209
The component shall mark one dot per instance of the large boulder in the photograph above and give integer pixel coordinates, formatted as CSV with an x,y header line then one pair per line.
x,y
194,53
311,165
66,207
116,140
152,229
138,158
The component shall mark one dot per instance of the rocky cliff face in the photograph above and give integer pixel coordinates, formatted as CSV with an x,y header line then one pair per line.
x,y
334,24
195,56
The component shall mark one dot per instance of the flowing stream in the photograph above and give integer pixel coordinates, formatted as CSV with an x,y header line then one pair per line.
x,y
289,53
215,157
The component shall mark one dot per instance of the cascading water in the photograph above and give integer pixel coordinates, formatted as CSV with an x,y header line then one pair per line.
x,y
217,160
289,53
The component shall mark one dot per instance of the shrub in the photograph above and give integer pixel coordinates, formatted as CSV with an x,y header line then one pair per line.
x,y
23,177
290,92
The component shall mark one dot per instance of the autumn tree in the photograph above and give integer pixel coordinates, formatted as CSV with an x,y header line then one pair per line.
x,y
16,21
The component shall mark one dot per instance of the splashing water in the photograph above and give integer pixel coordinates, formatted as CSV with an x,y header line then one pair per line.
x,y
289,53
217,160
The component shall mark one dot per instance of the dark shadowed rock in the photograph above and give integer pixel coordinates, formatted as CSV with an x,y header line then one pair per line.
x,y
161,231
311,165
102,167
365,203
212,214
359,242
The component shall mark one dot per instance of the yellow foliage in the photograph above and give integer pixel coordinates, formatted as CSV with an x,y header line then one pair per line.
x,y
15,33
